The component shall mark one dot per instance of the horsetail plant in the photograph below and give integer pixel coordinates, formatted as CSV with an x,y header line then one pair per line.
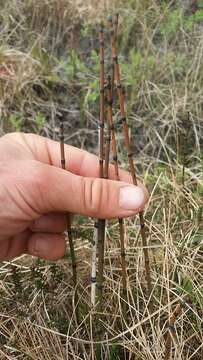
x,y
116,174
110,20
68,221
94,264
129,152
116,18
171,331
102,101
101,222
184,147
113,38
106,144
109,129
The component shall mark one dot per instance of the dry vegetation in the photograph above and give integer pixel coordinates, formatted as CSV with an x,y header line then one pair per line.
x,y
49,63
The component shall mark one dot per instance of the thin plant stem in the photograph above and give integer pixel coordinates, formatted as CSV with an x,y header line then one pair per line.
x,y
116,19
101,222
102,101
97,225
130,156
112,37
116,172
184,147
171,331
94,264
108,136
68,222
100,281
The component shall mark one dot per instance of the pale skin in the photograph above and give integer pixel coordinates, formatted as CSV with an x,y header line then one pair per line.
x,y
35,194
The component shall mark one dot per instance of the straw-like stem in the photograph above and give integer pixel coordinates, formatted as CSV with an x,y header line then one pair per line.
x,y
68,221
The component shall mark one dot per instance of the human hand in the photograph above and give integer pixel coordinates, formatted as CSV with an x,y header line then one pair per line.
x,y
35,193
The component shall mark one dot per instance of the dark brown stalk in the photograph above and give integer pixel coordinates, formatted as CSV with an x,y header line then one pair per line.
x,y
110,20
116,172
108,135
116,18
113,38
185,135
102,100
101,222
130,158
68,221
171,331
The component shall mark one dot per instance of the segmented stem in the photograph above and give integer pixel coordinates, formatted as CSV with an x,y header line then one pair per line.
x,y
171,331
102,100
112,39
130,154
184,146
94,264
101,222
116,18
108,136
116,171
69,230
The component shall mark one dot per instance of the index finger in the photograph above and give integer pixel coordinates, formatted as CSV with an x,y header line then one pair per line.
x,y
79,162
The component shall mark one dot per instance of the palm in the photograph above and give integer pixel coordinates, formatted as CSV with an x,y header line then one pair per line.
x,y
20,192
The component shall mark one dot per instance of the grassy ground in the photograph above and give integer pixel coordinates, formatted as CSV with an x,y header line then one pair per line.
x,y
49,64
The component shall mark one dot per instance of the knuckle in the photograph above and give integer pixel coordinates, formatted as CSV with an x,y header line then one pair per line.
x,y
37,183
94,194
11,136
38,174
8,136
36,177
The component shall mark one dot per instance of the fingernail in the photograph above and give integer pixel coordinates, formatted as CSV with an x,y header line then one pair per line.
x,y
131,198
41,247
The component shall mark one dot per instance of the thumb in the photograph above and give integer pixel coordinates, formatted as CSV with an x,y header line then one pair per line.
x,y
60,190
